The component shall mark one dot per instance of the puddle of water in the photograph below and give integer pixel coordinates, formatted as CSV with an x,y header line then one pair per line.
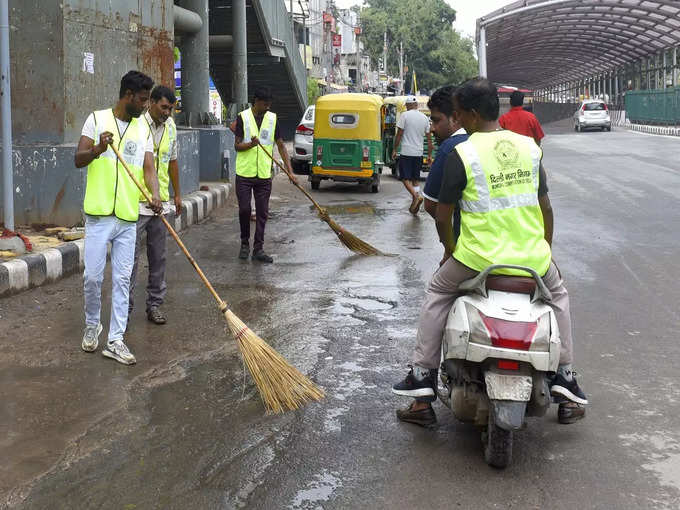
x,y
370,305
331,422
320,489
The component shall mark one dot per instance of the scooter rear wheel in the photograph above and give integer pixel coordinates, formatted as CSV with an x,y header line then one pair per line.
x,y
498,444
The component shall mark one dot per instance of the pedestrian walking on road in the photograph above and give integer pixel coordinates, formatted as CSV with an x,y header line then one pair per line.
x,y
520,121
412,125
111,206
258,126
518,232
449,133
164,135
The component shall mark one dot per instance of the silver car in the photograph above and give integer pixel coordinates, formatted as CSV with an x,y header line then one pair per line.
x,y
303,143
592,113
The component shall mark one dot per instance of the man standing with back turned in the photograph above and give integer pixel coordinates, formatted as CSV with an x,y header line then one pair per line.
x,y
520,121
510,225
112,206
412,125
164,134
258,126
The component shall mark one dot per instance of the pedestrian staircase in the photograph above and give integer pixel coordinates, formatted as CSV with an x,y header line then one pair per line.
x,y
273,58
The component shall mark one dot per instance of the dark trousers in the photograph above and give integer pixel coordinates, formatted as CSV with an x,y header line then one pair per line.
x,y
156,234
261,189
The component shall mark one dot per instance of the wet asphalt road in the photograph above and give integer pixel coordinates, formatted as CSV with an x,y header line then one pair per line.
x,y
184,428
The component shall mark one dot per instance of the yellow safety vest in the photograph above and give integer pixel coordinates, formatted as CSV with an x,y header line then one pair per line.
x,y
501,220
162,159
109,189
254,162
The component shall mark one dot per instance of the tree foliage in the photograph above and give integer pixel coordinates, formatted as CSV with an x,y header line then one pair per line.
x,y
432,47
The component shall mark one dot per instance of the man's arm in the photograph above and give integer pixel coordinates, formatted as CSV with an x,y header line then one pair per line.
x,y
173,171
87,151
397,141
546,210
444,222
240,145
286,159
430,208
151,181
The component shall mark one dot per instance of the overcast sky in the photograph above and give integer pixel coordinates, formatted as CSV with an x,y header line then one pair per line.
x,y
467,11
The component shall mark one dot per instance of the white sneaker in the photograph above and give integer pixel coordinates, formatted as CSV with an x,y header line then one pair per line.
x,y
91,338
118,350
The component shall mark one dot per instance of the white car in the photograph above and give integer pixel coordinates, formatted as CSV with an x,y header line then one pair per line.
x,y
592,113
303,143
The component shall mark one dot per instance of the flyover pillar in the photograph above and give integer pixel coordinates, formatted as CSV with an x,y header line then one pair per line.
x,y
196,66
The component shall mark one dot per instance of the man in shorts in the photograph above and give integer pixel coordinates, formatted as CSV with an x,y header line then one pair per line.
x,y
412,125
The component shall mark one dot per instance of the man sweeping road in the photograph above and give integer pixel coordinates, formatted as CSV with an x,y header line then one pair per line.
x,y
112,206
164,134
254,168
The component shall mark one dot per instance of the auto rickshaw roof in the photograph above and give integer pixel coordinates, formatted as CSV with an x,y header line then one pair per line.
x,y
349,100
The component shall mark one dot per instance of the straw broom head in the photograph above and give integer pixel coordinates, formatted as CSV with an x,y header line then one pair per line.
x,y
348,239
282,387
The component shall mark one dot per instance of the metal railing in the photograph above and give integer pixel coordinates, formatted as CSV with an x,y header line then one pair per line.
x,y
660,106
278,34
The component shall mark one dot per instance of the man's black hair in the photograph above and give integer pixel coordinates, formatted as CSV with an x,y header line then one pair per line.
x,y
480,95
134,81
442,100
516,98
161,91
262,93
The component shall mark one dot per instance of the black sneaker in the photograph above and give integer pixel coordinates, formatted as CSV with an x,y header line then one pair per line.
x,y
244,252
423,417
261,256
567,389
412,387
570,412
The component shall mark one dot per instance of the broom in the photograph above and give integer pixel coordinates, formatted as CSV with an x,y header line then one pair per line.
x,y
282,387
347,238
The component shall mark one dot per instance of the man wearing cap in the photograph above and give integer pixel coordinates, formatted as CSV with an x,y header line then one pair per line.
x,y
412,125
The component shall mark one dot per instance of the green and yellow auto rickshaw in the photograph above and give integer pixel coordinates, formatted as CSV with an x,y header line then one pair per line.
x,y
394,107
348,140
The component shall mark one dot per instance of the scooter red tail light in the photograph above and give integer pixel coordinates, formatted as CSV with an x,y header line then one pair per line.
x,y
505,364
509,334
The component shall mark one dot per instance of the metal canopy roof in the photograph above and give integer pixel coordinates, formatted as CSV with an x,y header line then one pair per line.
x,y
538,43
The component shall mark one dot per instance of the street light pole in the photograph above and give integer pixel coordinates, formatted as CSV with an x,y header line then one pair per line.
x,y
6,105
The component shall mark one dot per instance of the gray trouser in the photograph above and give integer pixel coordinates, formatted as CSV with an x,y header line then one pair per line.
x,y
156,234
443,291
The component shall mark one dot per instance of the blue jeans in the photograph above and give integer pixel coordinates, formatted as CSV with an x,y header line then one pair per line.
x,y
99,231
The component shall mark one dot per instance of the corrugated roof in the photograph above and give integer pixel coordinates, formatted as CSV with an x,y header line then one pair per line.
x,y
538,43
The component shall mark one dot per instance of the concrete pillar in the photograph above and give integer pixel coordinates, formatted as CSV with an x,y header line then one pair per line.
x,y
6,104
196,65
675,66
481,51
240,54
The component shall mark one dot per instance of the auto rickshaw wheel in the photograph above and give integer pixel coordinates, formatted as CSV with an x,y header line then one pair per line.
x,y
316,183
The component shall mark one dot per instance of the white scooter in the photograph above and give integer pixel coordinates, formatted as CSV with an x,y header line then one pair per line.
x,y
500,342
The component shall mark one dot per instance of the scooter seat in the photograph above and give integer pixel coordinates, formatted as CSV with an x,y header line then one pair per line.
x,y
518,284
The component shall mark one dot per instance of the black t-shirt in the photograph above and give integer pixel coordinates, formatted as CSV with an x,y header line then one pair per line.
x,y
238,131
455,180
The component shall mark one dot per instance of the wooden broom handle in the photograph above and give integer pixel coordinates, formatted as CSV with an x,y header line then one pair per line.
x,y
223,306
285,170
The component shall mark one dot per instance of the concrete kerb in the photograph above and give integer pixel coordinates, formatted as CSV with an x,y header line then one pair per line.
x,y
654,130
33,270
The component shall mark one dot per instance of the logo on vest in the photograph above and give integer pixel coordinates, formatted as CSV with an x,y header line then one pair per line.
x,y
506,153
510,173
130,148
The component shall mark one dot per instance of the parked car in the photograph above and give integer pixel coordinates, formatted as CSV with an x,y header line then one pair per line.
x,y
592,113
303,143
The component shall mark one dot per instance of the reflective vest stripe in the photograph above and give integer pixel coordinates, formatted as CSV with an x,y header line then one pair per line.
x,y
162,159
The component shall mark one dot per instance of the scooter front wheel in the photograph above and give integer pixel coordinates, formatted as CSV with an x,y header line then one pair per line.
x,y
497,444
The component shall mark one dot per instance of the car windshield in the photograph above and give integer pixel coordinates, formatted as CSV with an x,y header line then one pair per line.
x,y
594,106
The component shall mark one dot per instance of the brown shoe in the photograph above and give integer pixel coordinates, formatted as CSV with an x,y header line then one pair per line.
x,y
570,412
416,208
154,315
423,417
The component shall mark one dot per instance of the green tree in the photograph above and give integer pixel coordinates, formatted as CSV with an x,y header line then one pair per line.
x,y
437,53
312,90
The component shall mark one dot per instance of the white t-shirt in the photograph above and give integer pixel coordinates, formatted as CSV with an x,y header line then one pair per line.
x,y
415,125
89,131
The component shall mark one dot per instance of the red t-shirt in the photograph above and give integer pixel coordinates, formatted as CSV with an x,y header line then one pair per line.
x,y
522,122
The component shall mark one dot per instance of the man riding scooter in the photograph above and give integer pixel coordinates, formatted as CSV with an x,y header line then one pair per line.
x,y
497,180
